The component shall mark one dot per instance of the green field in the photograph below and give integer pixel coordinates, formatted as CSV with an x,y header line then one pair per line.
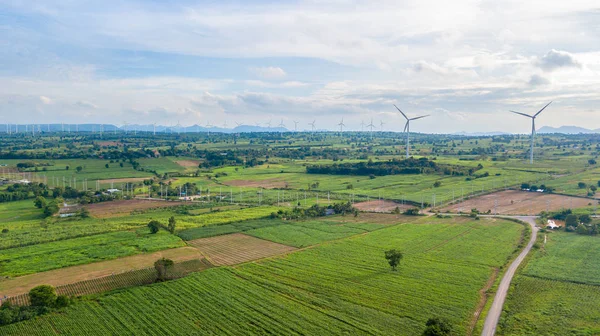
x,y
558,291
76,251
339,287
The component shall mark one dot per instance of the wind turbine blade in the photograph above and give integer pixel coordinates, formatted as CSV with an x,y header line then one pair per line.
x,y
419,117
405,126
540,111
523,114
401,111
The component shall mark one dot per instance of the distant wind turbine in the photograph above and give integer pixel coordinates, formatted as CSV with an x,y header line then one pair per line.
x,y
295,126
370,125
532,128
407,128
341,124
312,125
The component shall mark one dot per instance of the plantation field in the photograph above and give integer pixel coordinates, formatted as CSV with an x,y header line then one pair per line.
x,y
340,287
568,257
47,256
68,275
137,277
237,248
125,207
558,291
311,232
516,202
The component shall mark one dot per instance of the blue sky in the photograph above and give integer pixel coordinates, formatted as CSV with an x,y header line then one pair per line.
x,y
465,63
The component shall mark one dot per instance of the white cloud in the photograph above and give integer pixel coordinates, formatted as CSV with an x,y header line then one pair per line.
x,y
268,72
45,100
555,59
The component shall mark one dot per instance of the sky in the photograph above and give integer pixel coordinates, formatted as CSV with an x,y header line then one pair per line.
x,y
464,63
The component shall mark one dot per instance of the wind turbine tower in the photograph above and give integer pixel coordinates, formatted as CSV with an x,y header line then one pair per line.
x,y
370,125
532,128
407,128
295,126
341,124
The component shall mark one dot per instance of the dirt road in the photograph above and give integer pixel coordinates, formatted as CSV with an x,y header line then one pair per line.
x,y
493,316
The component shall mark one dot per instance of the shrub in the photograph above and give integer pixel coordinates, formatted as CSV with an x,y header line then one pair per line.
x,y
42,296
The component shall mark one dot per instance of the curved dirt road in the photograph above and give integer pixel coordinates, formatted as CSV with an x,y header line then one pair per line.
x,y
493,316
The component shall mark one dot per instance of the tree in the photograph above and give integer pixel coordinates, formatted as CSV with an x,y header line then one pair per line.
x,y
582,229
437,184
106,165
84,212
172,223
571,220
79,169
581,185
40,202
51,209
585,219
66,167
163,266
393,257
592,161
42,296
524,185
437,327
154,226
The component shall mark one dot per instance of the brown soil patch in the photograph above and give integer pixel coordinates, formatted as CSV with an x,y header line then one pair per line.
x,y
375,218
68,275
237,248
188,163
516,202
267,184
381,206
125,207
124,180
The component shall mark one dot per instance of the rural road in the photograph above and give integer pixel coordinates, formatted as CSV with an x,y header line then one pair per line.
x,y
493,316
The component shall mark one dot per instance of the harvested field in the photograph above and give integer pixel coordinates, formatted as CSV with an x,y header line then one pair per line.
x,y
188,163
267,184
381,206
516,202
69,275
237,248
125,207
371,217
123,180
108,143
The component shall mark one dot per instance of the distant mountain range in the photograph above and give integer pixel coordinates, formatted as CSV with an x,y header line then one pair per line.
x,y
567,130
238,129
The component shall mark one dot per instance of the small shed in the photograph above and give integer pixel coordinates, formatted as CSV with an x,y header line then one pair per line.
x,y
552,225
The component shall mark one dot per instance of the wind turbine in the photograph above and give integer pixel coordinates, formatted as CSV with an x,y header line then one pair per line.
x,y
341,124
362,125
269,124
295,126
532,128
381,123
407,128
281,125
371,126
312,125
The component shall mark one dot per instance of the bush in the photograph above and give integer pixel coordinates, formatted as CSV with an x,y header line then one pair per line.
x,y
582,229
61,301
581,185
571,220
412,212
437,327
42,296
154,226
437,184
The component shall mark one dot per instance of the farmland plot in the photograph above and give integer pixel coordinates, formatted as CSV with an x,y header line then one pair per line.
x,y
516,202
237,248
558,291
342,287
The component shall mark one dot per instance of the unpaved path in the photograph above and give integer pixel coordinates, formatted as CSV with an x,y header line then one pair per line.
x,y
493,316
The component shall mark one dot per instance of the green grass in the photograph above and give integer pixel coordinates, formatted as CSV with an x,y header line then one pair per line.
x,y
70,252
341,287
558,291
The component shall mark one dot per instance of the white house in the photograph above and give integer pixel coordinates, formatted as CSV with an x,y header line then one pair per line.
x,y
552,225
